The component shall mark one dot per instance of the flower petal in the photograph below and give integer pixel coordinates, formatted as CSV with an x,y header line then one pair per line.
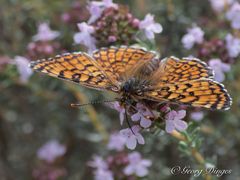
x,y
181,114
131,143
136,117
140,138
169,126
145,123
180,125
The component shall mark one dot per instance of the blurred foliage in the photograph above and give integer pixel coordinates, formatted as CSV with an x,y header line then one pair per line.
x,y
33,113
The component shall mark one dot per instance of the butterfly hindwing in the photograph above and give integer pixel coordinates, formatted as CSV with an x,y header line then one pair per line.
x,y
188,81
172,70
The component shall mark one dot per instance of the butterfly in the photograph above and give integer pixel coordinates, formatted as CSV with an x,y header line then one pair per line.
x,y
137,75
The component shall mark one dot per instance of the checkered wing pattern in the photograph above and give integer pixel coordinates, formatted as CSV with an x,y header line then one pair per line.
x,y
116,61
76,67
188,81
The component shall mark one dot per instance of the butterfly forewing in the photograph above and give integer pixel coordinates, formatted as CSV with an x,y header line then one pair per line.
x,y
116,61
77,67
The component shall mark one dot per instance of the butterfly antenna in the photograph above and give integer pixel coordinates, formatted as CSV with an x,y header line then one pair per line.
x,y
91,103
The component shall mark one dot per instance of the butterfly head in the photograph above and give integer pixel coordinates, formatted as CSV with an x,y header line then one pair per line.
x,y
133,88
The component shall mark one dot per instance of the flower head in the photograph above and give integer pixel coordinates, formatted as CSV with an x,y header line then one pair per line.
x,y
95,11
219,68
103,174
102,171
219,5
120,109
150,26
197,116
174,121
51,150
85,36
23,69
137,165
96,8
142,115
98,163
232,45
233,15
116,142
45,33
132,138
194,35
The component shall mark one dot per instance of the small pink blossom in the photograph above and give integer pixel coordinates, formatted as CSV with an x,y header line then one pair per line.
x,y
142,115
102,171
149,26
103,174
219,68
197,116
51,150
174,121
45,33
233,15
219,5
120,109
137,165
85,36
95,11
232,45
98,163
97,7
194,35
65,17
116,142
112,39
23,68
132,138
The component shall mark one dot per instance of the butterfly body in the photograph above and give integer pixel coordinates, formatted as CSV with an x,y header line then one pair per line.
x,y
136,74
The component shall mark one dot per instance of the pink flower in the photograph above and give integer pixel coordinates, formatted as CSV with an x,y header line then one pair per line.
x,y
132,139
95,11
219,68
232,45
97,7
45,33
23,68
197,116
112,38
141,115
120,109
174,121
150,26
51,150
85,36
233,15
137,165
98,163
102,171
102,174
219,5
116,142
194,35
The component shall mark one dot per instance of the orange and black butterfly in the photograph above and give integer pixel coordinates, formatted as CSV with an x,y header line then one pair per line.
x,y
137,74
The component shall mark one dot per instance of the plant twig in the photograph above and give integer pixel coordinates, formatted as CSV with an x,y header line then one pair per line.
x,y
194,152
